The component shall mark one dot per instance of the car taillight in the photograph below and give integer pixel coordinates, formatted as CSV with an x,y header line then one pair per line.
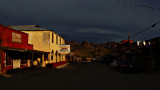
x,y
123,65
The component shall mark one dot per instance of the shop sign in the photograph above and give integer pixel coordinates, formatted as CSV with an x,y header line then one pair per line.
x,y
141,44
64,49
16,37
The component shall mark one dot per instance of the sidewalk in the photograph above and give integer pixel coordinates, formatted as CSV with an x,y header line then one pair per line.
x,y
22,72
29,71
62,66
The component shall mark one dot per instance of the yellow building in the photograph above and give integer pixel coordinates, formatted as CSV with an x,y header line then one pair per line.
x,y
46,41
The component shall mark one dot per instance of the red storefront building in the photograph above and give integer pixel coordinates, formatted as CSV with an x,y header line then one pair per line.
x,y
14,49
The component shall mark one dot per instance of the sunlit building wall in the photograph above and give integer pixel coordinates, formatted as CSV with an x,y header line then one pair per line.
x,y
46,41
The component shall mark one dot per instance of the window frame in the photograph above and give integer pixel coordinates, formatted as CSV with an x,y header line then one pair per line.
x,y
52,37
56,39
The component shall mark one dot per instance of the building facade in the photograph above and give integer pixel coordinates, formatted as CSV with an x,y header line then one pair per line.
x,y
14,49
46,41
144,53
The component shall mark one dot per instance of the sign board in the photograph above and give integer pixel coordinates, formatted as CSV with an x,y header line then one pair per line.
x,y
16,37
141,44
64,49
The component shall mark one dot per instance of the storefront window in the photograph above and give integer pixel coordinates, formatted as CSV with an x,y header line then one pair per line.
x,y
23,58
8,60
23,61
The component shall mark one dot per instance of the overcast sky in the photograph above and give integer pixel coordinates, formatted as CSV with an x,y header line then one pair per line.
x,y
91,20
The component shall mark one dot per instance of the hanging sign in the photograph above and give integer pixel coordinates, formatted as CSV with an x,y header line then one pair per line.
x,y
64,49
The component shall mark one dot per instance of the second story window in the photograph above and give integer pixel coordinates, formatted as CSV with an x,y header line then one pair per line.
x,y
60,42
56,39
52,38
63,41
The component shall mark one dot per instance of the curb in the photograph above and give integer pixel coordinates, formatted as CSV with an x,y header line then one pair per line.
x,y
6,75
62,66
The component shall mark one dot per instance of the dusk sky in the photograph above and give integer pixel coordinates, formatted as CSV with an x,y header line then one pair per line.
x,y
90,20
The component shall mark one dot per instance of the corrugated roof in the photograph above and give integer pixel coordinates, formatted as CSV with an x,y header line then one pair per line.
x,y
28,28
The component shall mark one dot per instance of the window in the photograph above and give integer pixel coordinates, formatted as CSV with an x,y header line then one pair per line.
x,y
8,60
46,38
56,53
51,57
52,53
52,37
23,61
45,56
60,42
63,41
56,39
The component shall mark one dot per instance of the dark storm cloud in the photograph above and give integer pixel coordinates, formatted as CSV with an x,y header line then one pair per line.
x,y
77,20
91,34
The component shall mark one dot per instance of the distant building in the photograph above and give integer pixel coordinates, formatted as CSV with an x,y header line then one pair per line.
x,y
125,41
85,44
123,48
144,53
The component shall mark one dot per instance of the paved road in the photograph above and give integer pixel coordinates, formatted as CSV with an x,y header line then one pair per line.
x,y
81,76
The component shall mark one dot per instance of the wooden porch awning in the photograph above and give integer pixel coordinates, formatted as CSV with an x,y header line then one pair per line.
x,y
23,50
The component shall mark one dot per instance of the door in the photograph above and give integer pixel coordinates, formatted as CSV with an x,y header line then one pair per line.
x,y
16,63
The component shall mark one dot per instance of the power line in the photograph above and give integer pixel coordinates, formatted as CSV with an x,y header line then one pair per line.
x,y
155,33
6,18
134,4
22,9
153,25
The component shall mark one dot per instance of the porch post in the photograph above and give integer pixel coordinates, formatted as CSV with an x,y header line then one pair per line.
x,y
49,57
43,62
32,59
0,70
0,58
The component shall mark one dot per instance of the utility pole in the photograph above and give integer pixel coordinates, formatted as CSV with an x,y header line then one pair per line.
x,y
108,49
128,47
128,36
0,58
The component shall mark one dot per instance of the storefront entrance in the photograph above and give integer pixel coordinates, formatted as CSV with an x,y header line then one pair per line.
x,y
15,59
16,63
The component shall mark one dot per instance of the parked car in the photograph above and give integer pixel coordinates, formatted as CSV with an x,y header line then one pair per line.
x,y
101,60
127,66
114,63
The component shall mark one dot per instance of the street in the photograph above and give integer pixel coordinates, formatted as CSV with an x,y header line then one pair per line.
x,y
82,76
